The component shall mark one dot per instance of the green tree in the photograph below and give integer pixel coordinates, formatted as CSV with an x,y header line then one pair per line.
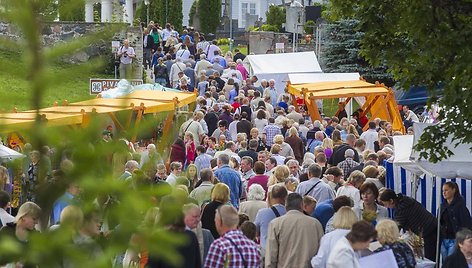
x,y
276,16
90,168
71,10
210,11
424,43
341,52
175,15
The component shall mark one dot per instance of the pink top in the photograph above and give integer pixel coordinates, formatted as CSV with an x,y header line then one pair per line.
x,y
190,151
242,70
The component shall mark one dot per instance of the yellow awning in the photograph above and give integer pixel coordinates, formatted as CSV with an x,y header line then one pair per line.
x,y
338,89
151,101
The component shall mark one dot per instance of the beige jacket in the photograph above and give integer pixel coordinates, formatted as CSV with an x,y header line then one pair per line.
x,y
292,240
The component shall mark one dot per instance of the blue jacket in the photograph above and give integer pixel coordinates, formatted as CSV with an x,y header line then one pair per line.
x,y
230,177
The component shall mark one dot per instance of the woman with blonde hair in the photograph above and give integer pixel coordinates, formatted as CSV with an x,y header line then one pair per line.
x,y
336,136
219,196
285,149
279,176
388,236
343,221
352,130
328,147
296,143
3,177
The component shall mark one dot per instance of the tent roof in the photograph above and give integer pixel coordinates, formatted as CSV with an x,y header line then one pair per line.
x,y
72,114
7,153
338,89
304,78
299,62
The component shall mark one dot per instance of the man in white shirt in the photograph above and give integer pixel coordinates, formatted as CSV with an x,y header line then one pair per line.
x,y
370,136
175,170
410,117
210,50
183,53
126,55
176,68
5,217
166,33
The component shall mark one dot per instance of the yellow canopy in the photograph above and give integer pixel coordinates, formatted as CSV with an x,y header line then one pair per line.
x,y
380,100
148,101
337,89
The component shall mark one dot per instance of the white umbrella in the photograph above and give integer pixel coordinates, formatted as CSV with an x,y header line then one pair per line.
x,y
9,154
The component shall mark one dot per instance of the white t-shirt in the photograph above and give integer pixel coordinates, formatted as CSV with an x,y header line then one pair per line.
x,y
125,54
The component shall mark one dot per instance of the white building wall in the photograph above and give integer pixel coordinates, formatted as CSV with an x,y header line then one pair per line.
x,y
186,5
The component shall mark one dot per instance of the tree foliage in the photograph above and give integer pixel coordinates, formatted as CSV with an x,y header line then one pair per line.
x,y
71,10
162,11
119,203
276,16
341,52
424,43
210,11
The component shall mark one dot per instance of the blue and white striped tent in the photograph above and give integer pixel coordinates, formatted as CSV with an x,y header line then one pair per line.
x,y
429,189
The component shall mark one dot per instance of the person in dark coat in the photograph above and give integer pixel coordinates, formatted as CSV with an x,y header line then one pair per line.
x,y
177,151
244,125
412,216
219,196
454,216
462,255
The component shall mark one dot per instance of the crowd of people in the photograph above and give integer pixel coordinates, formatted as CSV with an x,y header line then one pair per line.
x,y
264,185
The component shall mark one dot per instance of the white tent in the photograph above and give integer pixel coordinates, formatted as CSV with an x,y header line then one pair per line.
x,y
278,66
403,148
306,78
7,154
459,165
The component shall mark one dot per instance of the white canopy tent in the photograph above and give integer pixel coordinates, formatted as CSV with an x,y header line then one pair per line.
x,y
7,154
458,165
307,78
278,66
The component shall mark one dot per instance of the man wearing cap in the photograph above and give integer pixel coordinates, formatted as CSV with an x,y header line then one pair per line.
x,y
349,162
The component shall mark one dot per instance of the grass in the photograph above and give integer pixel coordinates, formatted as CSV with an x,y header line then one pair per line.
x,y
15,91
225,48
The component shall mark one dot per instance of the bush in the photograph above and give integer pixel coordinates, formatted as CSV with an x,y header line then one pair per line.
x,y
223,41
270,28
309,27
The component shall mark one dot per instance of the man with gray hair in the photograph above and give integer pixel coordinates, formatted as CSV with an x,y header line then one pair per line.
x,y
176,68
202,193
338,152
294,168
150,158
348,163
130,166
271,92
126,55
230,177
233,248
315,187
193,126
202,65
293,114
294,238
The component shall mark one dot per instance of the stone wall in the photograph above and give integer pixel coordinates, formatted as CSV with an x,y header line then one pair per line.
x,y
264,42
54,33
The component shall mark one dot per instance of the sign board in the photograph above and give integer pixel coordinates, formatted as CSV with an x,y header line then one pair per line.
x,y
115,45
97,85
279,47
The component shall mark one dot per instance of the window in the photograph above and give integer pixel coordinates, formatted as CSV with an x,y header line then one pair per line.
x,y
247,8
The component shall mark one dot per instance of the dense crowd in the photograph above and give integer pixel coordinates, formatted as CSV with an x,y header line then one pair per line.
x,y
264,185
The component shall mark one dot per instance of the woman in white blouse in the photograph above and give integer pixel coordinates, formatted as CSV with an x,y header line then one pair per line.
x,y
344,252
343,221
351,187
